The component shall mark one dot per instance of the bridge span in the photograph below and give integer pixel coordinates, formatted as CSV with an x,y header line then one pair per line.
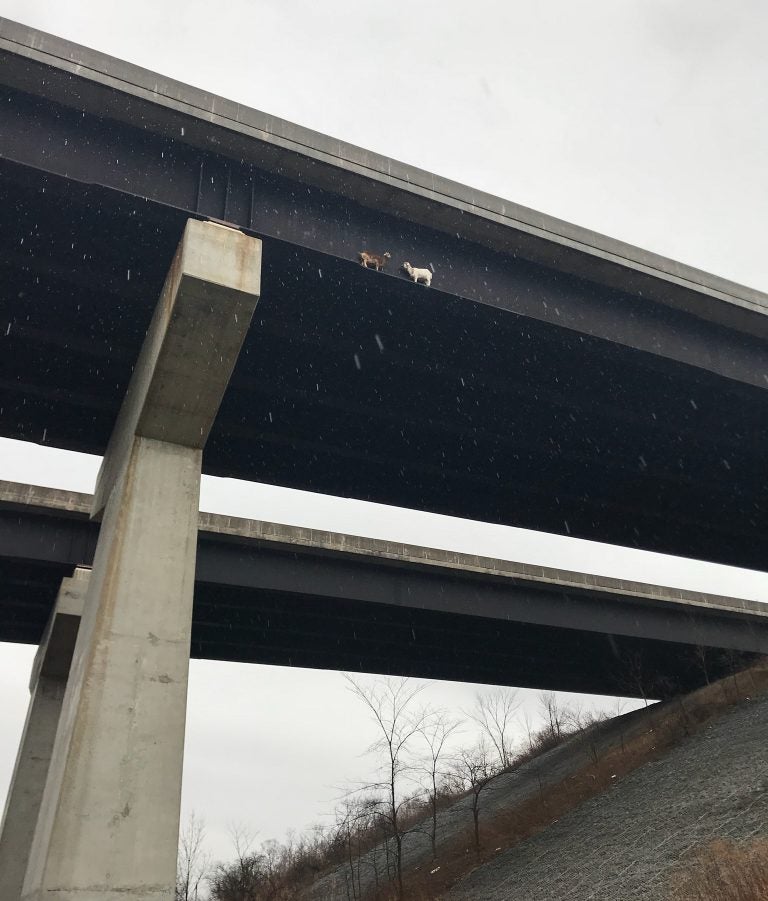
x,y
551,378
271,593
180,291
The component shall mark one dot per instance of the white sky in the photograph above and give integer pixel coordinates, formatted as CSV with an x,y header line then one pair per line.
x,y
642,119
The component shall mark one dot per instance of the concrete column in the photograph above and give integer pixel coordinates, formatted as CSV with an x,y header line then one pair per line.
x,y
46,686
109,819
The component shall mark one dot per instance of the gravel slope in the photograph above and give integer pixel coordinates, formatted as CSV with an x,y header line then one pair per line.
x,y
508,790
621,845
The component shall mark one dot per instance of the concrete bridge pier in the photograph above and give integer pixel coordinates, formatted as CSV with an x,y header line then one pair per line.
x,y
109,818
46,686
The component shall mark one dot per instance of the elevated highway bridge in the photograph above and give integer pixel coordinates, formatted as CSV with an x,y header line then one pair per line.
x,y
180,292
278,594
551,378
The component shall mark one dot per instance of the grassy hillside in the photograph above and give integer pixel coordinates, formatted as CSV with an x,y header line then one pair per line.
x,y
636,807
680,812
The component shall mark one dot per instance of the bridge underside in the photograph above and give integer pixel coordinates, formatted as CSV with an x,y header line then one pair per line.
x,y
359,384
259,602
550,379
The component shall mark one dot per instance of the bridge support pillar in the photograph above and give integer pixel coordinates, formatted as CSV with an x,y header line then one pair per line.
x,y
109,818
46,687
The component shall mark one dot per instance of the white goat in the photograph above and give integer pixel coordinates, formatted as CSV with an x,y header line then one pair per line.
x,y
419,275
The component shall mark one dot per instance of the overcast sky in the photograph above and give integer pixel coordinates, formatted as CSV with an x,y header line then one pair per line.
x,y
642,119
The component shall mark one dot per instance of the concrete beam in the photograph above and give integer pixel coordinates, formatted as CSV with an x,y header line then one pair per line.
x,y
190,348
47,683
109,818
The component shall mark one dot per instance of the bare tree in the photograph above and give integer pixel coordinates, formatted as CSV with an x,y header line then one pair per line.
x,y
473,770
530,731
244,878
391,703
436,730
635,676
344,825
272,860
620,705
556,715
494,713
193,863
356,820
702,661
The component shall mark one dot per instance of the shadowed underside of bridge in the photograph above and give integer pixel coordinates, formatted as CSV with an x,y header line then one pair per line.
x,y
280,595
537,384
550,378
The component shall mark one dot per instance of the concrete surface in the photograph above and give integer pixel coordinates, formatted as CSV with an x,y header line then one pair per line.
x,y
109,817
193,341
47,684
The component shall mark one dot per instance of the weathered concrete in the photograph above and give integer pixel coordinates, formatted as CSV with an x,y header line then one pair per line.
x,y
47,684
108,825
191,347
109,819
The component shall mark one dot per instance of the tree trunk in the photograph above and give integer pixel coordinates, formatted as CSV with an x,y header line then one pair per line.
x,y
434,825
399,852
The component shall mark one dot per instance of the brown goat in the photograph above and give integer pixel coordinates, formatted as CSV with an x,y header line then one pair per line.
x,y
374,260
